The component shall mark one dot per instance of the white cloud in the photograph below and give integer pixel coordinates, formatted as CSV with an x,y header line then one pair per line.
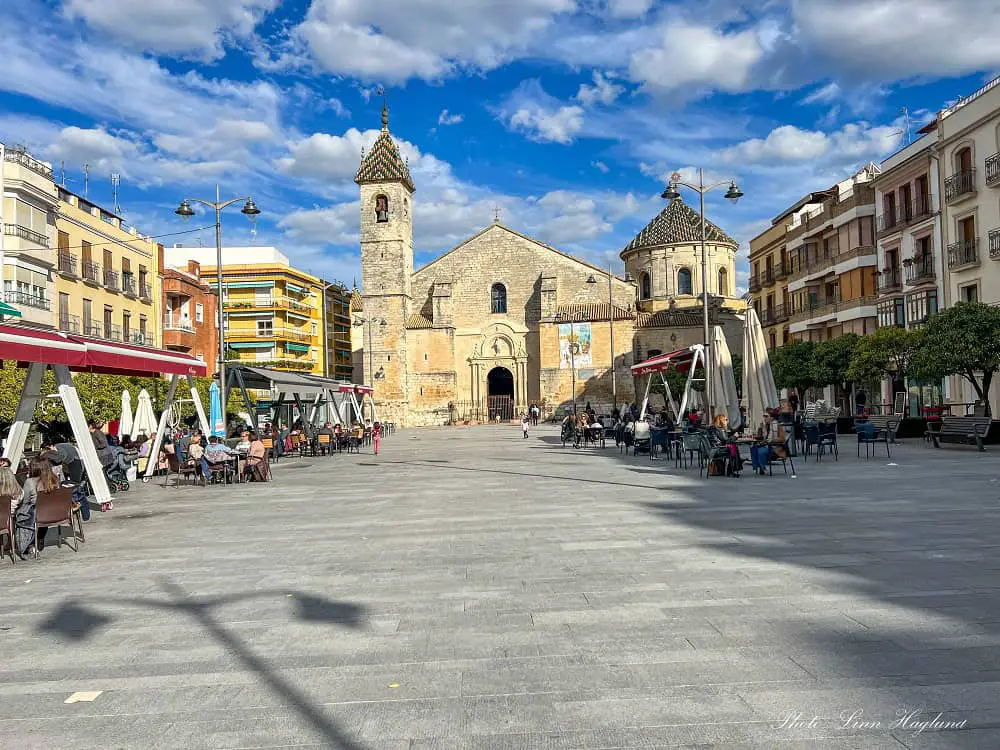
x,y
334,225
788,144
445,118
395,40
600,166
197,28
602,92
94,146
629,8
698,56
823,95
557,126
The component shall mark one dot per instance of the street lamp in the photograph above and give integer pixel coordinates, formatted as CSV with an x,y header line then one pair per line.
x,y
382,323
611,338
733,194
251,211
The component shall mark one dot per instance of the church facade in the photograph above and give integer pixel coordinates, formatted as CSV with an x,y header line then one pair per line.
x,y
503,320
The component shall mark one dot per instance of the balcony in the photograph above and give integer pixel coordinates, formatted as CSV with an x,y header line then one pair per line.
x,y
177,323
920,208
145,290
754,283
113,332
890,280
963,254
993,170
26,300
111,280
140,338
780,313
93,328
67,264
29,235
768,317
69,323
919,270
27,161
995,244
128,285
768,277
960,185
888,222
91,272
782,270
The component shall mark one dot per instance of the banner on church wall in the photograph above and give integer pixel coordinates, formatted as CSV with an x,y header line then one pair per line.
x,y
579,334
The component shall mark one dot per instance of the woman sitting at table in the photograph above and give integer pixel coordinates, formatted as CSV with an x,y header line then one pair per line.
x,y
244,445
771,440
257,459
41,478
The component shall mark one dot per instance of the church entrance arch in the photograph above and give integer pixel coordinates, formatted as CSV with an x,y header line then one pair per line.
x,y
500,393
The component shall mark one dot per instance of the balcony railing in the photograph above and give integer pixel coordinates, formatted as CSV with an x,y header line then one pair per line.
x,y
920,269
26,300
754,284
920,207
993,170
111,280
93,328
782,270
16,230
91,272
769,277
888,221
145,290
177,323
67,263
140,338
959,184
29,162
965,253
113,332
69,323
128,285
995,244
889,280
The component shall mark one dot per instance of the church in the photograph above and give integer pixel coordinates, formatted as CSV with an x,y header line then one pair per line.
x,y
503,320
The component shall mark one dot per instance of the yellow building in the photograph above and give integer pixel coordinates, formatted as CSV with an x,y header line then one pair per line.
x,y
107,281
273,312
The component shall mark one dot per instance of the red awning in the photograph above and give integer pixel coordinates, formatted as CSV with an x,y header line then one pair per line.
x,y
363,389
679,360
23,344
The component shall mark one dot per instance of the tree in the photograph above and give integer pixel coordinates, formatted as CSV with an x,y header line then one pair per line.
x,y
792,366
885,354
962,340
831,360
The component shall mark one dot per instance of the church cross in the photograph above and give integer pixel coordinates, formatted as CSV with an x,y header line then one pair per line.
x,y
496,215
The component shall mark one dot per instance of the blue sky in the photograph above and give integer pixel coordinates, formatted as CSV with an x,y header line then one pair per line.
x,y
565,114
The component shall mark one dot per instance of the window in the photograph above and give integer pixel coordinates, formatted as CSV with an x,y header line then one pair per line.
x,y
315,330
199,313
381,209
126,325
645,286
724,280
498,297
653,353
142,326
969,293
920,306
963,160
87,311
63,240
265,327
684,281
773,342
108,318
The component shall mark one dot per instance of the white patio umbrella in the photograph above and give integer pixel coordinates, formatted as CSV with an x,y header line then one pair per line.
x,y
727,401
759,391
145,419
125,421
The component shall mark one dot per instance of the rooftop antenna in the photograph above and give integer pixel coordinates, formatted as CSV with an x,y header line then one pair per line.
x,y
906,120
253,233
116,180
62,173
86,179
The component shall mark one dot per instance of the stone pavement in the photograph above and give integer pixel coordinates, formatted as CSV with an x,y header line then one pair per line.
x,y
470,589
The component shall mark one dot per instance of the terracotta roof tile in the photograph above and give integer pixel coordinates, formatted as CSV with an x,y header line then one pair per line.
x,y
592,311
357,304
418,321
677,224
669,319
383,163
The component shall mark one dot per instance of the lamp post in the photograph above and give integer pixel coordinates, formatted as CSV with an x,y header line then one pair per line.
x,y
733,194
382,322
251,211
611,339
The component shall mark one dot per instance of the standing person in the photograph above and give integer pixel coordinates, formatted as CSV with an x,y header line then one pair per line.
x,y
860,399
376,436
525,422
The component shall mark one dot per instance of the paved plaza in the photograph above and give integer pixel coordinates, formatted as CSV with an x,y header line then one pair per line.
x,y
470,589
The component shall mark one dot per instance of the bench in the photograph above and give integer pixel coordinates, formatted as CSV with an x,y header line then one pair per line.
x,y
887,423
964,430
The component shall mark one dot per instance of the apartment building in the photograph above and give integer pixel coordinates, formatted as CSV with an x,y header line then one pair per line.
x,y
768,283
107,279
830,246
28,213
272,312
338,332
190,314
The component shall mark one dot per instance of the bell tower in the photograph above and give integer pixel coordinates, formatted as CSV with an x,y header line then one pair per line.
x,y
386,270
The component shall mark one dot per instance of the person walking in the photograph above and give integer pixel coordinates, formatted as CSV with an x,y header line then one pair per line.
x,y
376,436
525,423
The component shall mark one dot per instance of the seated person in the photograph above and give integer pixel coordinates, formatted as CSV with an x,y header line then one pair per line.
x,y
196,456
257,459
217,451
244,445
771,441
327,429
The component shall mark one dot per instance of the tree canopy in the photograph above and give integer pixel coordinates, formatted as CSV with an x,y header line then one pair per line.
x,y
831,360
886,353
792,365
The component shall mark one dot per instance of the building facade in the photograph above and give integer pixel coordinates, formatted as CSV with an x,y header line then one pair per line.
x,y
503,321
768,283
107,276
28,211
272,311
832,275
190,315
338,333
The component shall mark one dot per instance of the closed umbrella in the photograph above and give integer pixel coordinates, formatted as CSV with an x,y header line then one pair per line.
x,y
727,401
145,418
215,411
125,421
759,391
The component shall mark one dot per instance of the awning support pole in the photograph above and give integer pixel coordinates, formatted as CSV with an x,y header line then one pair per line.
x,y
200,409
84,443
154,453
670,396
236,374
645,399
30,393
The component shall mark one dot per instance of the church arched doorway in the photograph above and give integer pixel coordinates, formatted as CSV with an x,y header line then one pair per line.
x,y
500,393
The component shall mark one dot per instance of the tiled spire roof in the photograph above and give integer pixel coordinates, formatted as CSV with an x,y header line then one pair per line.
x,y
383,163
677,224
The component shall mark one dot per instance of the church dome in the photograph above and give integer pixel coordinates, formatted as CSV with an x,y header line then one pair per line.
x,y
677,224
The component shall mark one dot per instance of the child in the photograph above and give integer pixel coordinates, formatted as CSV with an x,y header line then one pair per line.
x,y
377,436
525,421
